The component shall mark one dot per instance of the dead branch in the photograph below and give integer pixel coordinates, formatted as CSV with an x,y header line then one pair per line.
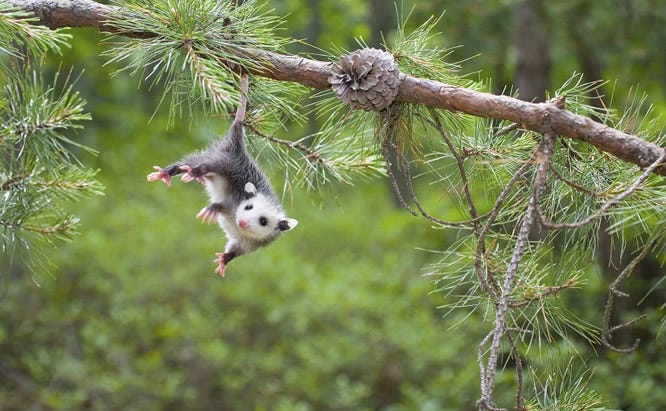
x,y
544,154
486,400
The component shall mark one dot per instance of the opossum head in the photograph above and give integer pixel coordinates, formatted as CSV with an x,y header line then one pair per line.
x,y
260,218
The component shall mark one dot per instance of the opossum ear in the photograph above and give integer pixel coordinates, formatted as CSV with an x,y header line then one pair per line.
x,y
250,188
287,224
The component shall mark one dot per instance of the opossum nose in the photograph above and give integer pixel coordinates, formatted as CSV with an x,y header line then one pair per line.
x,y
243,224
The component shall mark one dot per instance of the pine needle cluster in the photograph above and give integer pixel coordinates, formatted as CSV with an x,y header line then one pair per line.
x,y
38,171
195,51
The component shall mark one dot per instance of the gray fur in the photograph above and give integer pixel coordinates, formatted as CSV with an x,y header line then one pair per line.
x,y
229,159
227,169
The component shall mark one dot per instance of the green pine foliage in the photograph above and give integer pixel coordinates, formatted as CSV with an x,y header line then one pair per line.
x,y
566,388
39,172
18,35
196,58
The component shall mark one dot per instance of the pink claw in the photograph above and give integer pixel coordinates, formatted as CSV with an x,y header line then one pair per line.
x,y
221,265
160,174
208,216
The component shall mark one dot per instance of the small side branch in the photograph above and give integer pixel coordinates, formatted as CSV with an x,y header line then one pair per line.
x,y
613,291
483,372
573,185
391,153
506,130
309,153
474,222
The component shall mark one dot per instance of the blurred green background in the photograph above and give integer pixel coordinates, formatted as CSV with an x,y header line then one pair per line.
x,y
338,314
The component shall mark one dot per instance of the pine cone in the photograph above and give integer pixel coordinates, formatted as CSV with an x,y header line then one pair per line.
x,y
367,79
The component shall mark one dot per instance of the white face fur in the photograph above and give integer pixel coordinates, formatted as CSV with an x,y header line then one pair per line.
x,y
259,219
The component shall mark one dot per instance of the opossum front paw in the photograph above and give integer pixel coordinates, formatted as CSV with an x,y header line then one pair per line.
x,y
191,175
161,174
210,214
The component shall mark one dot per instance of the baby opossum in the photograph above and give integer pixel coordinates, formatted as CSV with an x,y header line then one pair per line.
x,y
241,197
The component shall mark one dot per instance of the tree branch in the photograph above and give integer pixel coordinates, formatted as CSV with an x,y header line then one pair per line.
x,y
543,118
69,13
544,154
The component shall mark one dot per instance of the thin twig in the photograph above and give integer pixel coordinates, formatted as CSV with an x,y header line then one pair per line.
x,y
627,324
309,153
519,402
394,182
389,149
547,291
410,190
577,187
404,164
610,203
613,291
506,130
485,400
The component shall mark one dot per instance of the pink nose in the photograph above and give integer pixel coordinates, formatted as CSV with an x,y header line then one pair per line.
x,y
243,224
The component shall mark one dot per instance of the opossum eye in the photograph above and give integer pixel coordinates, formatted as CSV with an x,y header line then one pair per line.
x,y
263,221
248,207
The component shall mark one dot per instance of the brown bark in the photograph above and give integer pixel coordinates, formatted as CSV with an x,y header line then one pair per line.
x,y
73,13
539,117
